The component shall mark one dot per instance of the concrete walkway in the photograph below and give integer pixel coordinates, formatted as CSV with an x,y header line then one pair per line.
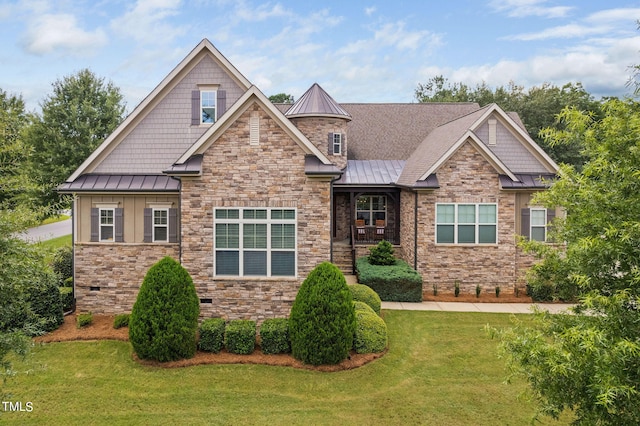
x,y
504,308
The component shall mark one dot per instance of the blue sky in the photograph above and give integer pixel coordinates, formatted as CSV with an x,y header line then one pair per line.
x,y
358,51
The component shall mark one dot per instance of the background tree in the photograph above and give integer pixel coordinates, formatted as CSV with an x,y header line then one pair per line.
x,y
590,362
281,98
538,107
80,113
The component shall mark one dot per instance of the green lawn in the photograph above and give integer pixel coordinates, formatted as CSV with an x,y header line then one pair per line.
x,y
55,243
441,369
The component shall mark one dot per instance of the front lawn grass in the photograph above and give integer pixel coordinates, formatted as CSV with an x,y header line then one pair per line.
x,y
55,243
441,369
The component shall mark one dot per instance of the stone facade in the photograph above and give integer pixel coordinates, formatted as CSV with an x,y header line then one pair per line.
x,y
108,276
317,129
467,178
238,174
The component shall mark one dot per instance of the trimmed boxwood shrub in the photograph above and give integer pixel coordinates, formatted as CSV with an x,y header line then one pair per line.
x,y
362,307
121,320
164,319
274,336
395,283
371,333
84,319
240,336
212,335
382,254
366,294
66,296
322,321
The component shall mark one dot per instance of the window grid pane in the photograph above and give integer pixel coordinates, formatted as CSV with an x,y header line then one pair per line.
x,y
538,217
466,213
487,213
445,213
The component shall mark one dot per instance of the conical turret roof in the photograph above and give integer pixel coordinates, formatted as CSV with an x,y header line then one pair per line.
x,y
315,102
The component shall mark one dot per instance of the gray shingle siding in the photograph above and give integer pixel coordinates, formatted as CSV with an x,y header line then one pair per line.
x,y
165,133
510,151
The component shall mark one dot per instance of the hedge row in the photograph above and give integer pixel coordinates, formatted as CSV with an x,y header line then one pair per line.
x,y
394,283
239,336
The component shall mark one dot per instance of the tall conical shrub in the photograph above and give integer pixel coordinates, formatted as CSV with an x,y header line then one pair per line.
x,y
164,319
322,321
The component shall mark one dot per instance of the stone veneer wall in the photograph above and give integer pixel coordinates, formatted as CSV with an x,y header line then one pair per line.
x,y
118,270
237,174
317,129
467,178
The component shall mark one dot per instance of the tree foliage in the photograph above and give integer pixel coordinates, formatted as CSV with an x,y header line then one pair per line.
x,y
164,318
281,98
538,107
80,113
590,362
322,321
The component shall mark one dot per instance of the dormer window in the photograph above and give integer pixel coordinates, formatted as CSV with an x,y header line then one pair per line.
x,y
208,106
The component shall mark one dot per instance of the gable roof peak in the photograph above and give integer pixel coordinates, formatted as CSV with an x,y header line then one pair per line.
x,y
315,102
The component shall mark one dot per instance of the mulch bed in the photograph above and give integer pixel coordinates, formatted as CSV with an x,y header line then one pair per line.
x,y
471,298
102,329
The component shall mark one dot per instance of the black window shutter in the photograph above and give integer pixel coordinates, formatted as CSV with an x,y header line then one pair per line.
x,y
221,102
173,225
551,214
119,225
148,226
525,223
195,108
330,143
95,224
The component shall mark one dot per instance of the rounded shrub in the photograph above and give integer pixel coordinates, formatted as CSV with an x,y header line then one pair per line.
x,y
366,294
322,321
62,264
371,333
164,319
240,336
362,307
382,254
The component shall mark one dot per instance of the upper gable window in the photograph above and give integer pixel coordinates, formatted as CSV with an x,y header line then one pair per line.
x,y
208,106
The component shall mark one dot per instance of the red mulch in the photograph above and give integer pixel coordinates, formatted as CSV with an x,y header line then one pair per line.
x,y
102,329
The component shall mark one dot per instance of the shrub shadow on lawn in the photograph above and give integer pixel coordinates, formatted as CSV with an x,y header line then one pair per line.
x,y
102,329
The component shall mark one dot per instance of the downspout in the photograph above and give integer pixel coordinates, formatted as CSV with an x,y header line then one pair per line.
x,y
73,247
180,220
415,232
331,218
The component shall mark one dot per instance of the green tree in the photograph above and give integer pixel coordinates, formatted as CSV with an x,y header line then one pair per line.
x,y
589,362
538,107
322,321
80,113
281,98
164,318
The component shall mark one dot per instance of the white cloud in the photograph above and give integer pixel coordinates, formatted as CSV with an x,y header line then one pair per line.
x,y
370,10
563,31
524,8
60,33
146,22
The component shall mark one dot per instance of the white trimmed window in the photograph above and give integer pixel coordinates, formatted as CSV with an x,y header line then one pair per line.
x,y
208,106
160,225
337,143
255,242
107,224
466,223
538,230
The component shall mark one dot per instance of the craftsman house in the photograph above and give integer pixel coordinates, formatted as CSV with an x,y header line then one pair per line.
x,y
250,196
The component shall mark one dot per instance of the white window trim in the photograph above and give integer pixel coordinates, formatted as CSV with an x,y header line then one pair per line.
x,y
213,90
154,226
532,226
455,224
268,221
112,225
337,136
